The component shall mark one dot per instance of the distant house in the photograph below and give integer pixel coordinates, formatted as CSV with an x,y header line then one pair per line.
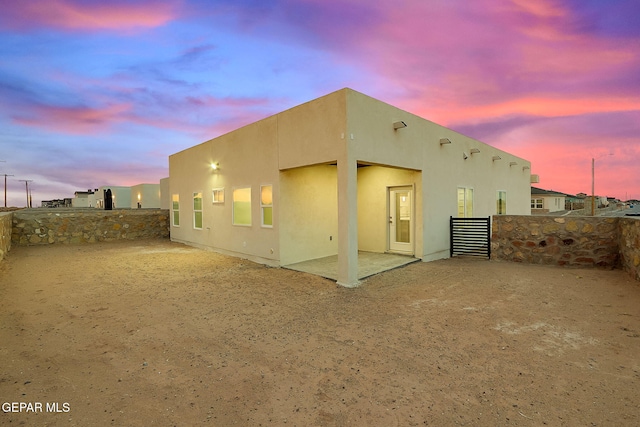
x,y
120,196
573,203
138,196
145,196
57,203
84,199
337,175
546,201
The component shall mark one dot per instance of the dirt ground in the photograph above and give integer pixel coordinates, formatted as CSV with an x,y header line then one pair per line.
x,y
157,333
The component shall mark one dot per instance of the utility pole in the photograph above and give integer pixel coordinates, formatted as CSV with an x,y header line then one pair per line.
x,y
5,185
5,189
26,183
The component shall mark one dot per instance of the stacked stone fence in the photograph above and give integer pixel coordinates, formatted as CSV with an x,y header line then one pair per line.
x,y
5,233
75,226
630,245
612,242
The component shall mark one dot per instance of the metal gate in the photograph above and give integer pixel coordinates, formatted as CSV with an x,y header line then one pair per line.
x,y
470,236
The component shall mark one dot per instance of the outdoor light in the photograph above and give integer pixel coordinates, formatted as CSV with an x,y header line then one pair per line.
x,y
444,141
399,125
474,151
215,166
524,168
513,163
494,158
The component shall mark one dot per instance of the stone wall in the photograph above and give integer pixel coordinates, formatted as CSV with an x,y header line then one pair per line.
x,y
570,241
630,245
5,233
611,242
54,226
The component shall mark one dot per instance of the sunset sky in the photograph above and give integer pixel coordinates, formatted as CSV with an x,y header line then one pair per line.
x,y
96,92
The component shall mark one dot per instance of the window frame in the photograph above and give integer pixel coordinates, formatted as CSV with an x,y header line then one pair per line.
x,y
534,203
503,205
196,211
233,206
175,211
264,206
217,191
467,202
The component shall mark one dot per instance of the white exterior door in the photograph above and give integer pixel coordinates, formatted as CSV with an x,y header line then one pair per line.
x,y
401,219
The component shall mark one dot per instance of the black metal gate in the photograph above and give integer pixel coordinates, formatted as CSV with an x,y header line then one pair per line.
x,y
470,236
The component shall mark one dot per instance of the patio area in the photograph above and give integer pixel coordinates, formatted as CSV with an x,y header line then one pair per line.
x,y
369,264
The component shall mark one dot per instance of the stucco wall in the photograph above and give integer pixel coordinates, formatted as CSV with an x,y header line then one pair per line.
x,y
311,197
630,245
53,226
312,133
246,158
5,233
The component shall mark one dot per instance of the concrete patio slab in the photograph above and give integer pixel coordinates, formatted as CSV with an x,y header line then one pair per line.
x,y
369,263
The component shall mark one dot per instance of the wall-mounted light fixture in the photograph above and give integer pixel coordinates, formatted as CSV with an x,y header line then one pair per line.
x,y
494,158
444,141
513,163
464,155
399,125
215,166
474,151
524,168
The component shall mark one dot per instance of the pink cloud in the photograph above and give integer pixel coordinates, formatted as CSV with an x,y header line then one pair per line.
x,y
560,151
529,105
485,55
76,15
74,120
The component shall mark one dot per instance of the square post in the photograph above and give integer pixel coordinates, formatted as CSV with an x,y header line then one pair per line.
x,y
347,222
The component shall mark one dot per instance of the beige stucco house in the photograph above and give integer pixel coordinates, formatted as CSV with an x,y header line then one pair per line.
x,y
337,175
546,201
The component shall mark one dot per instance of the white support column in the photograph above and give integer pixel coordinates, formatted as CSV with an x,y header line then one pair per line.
x,y
347,222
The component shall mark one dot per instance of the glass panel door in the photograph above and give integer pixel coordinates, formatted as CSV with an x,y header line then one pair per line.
x,y
401,219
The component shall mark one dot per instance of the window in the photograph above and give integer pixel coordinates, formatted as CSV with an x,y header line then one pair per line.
x,y
242,206
536,204
465,202
502,203
266,205
197,211
218,195
175,210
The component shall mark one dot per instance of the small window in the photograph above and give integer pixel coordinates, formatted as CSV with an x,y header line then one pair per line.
x,y
502,203
536,204
218,195
175,210
266,205
197,211
242,206
465,202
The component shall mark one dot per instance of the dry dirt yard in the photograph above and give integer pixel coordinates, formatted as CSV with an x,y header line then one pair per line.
x,y
156,333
